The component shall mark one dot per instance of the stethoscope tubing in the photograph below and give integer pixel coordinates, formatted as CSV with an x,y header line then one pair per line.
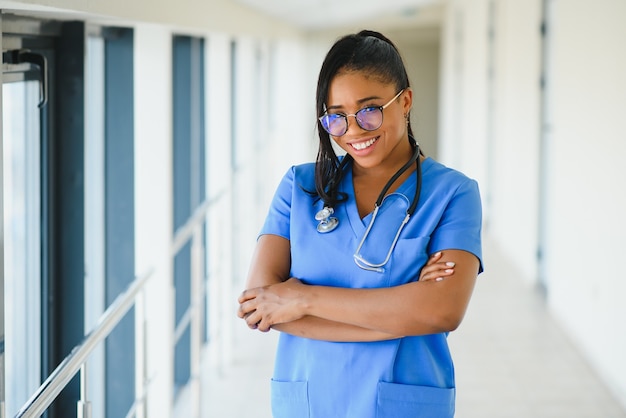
x,y
418,189
328,223
378,267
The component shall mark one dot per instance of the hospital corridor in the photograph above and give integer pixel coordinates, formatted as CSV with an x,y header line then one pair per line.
x,y
142,143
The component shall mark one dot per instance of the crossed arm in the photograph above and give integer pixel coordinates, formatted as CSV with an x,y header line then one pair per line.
x,y
436,303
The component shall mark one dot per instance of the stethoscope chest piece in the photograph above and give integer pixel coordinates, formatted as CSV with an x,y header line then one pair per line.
x,y
327,222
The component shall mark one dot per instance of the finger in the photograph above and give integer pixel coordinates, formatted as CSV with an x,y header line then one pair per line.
x,y
246,308
263,326
246,295
438,267
434,258
253,319
437,270
443,274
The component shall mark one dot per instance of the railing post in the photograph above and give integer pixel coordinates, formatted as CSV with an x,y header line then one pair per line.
x,y
2,377
197,273
83,406
67,369
140,353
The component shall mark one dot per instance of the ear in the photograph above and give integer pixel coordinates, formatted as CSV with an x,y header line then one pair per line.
x,y
407,100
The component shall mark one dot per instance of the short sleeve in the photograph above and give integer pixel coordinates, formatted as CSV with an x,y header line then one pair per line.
x,y
460,225
277,221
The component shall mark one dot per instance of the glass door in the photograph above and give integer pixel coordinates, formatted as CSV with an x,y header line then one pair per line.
x,y
21,191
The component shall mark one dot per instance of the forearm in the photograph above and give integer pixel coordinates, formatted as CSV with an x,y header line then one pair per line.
x,y
270,262
386,310
431,305
412,309
417,308
322,329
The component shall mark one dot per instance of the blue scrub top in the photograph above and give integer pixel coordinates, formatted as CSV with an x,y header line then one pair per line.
x,y
406,377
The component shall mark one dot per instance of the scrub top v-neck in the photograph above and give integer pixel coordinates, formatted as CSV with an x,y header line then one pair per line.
x,y
406,377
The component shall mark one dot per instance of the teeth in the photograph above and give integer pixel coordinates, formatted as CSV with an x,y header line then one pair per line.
x,y
362,145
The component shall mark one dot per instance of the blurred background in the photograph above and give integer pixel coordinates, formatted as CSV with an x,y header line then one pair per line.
x,y
142,141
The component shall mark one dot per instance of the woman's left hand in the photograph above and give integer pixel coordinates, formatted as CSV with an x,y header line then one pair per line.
x,y
263,307
436,269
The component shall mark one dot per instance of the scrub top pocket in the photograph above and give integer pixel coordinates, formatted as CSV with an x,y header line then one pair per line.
x,y
408,258
408,401
290,399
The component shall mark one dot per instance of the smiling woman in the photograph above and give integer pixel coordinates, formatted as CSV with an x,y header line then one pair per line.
x,y
389,269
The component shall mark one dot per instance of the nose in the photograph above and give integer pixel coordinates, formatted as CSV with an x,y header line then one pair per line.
x,y
356,122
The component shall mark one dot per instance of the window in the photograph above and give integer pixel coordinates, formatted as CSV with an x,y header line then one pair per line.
x,y
68,172
189,185
22,236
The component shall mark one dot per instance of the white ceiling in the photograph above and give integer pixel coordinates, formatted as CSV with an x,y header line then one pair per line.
x,y
327,14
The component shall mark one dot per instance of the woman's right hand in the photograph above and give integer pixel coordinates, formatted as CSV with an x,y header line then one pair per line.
x,y
436,269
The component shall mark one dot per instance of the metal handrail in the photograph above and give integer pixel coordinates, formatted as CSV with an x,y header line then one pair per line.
x,y
61,376
192,232
67,369
184,233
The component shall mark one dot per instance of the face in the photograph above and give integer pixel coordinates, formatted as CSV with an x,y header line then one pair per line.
x,y
388,145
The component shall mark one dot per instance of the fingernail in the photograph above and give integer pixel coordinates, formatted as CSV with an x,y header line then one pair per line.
x,y
450,264
437,254
438,279
449,271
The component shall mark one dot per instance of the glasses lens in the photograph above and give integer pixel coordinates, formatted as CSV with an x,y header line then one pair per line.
x,y
370,118
334,124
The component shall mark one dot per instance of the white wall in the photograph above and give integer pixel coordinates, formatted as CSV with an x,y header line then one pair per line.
x,y
274,130
586,222
220,186
292,135
513,182
463,118
586,202
490,115
422,62
153,203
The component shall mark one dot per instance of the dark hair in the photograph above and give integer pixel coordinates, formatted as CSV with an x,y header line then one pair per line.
x,y
366,51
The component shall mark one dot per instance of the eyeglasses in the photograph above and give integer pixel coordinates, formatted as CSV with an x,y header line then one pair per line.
x,y
369,118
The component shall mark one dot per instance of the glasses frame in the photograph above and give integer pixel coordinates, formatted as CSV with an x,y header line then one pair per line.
x,y
345,117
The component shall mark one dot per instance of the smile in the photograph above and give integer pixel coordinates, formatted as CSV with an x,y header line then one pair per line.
x,y
362,145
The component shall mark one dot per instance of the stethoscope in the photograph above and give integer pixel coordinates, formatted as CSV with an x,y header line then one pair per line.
x,y
328,223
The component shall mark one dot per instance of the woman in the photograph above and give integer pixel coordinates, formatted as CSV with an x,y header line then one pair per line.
x,y
363,301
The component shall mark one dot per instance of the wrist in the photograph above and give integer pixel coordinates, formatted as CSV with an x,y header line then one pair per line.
x,y
305,302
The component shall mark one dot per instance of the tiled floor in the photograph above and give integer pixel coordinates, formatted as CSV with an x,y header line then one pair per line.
x,y
243,390
512,361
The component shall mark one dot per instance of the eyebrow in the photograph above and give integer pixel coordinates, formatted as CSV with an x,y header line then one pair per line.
x,y
360,101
